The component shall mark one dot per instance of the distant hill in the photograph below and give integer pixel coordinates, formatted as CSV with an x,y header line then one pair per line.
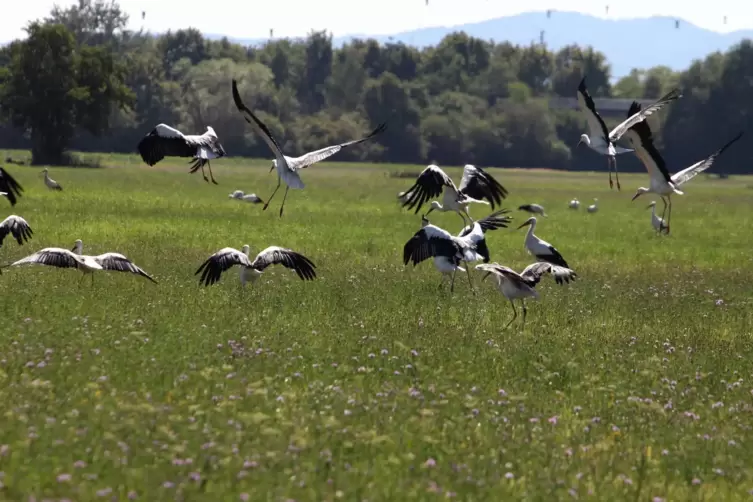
x,y
627,43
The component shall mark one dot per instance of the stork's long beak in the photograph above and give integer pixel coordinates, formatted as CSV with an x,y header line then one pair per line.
x,y
485,276
637,194
427,212
579,143
523,225
649,206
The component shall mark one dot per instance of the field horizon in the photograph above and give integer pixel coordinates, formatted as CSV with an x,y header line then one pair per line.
x,y
371,383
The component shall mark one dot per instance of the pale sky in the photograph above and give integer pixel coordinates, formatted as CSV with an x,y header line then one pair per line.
x,y
254,18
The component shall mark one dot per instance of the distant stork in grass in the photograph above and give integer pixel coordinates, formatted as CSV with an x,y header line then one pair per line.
x,y
593,207
252,197
539,248
64,258
519,286
288,167
9,187
661,183
237,194
600,139
475,186
574,204
165,141
533,209
250,271
51,184
658,223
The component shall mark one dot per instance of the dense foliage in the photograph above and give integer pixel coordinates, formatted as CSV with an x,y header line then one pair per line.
x,y
81,74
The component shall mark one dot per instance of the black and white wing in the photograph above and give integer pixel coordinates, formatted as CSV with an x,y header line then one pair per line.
x,y
428,185
493,221
596,126
119,263
219,262
164,141
641,115
53,257
697,168
430,241
17,227
274,255
252,119
311,158
503,273
641,139
535,271
10,187
478,184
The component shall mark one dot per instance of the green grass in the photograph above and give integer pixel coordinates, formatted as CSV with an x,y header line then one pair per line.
x,y
369,383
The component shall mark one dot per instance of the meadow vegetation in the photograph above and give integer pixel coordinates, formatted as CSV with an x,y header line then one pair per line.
x,y
369,383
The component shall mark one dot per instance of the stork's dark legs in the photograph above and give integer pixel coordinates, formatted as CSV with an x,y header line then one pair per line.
x,y
616,173
452,283
612,162
468,272
514,315
209,165
609,170
283,200
266,204
669,214
465,222
525,311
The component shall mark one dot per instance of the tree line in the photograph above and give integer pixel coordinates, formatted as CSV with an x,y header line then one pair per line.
x,y
82,81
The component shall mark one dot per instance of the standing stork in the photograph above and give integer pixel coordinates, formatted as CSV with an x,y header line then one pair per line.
x,y
600,139
519,286
593,207
539,248
165,141
9,187
250,271
288,167
533,209
475,186
661,182
658,223
51,184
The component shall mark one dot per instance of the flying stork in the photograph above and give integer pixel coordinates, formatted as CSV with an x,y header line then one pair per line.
x,y
9,187
533,209
661,183
165,141
539,248
519,286
600,139
475,186
250,271
51,184
658,223
64,258
17,227
288,167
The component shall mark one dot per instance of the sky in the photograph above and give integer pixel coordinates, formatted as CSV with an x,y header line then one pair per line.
x,y
289,18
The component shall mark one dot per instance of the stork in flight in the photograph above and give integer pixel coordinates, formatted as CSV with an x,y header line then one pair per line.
x,y
475,186
661,183
600,139
51,184
519,286
9,187
17,227
288,167
250,271
539,248
533,209
165,141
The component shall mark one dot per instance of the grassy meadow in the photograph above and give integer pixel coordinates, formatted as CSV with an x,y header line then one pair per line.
x,y
369,383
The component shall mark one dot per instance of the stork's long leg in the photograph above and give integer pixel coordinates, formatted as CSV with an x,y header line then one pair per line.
x,y
283,200
609,169
468,271
616,173
525,311
664,212
669,214
514,315
452,284
92,279
465,222
266,204
209,164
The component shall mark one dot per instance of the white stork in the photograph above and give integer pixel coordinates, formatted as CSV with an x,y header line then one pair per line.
x,y
9,187
593,207
519,286
165,141
64,258
600,139
658,223
51,184
661,183
574,204
539,248
250,271
237,194
475,186
17,227
533,209
251,197
288,167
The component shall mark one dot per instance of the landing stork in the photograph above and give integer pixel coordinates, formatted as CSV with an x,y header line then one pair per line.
x,y
519,286
165,141
539,248
250,270
475,186
9,187
288,167
661,183
600,139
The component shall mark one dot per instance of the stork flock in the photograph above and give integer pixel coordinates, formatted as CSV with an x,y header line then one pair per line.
x,y
450,252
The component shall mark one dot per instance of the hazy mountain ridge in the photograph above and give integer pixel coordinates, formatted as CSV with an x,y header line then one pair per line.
x,y
627,43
